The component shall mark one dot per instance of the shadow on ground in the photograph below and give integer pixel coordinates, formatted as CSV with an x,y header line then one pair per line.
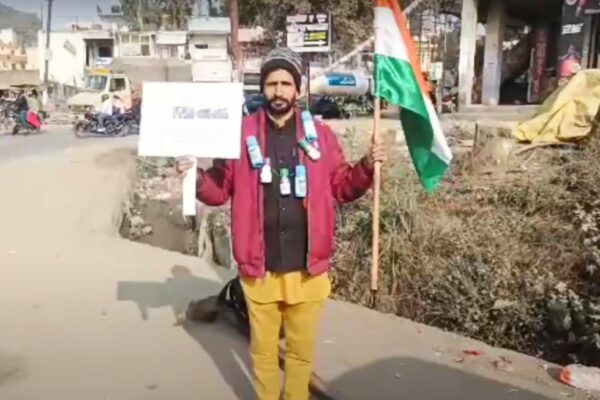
x,y
220,340
389,379
410,379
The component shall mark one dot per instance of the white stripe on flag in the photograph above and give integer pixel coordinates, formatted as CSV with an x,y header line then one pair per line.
x,y
388,40
439,146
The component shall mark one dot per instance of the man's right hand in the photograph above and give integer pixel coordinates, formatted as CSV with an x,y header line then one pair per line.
x,y
183,164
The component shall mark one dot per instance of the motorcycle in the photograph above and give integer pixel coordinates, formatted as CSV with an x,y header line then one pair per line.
x,y
132,121
20,128
89,126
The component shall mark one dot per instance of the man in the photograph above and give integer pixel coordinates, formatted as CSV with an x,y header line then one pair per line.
x,y
136,103
34,108
283,240
105,111
118,105
21,107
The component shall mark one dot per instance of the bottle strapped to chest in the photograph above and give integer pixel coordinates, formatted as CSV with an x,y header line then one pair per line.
x,y
300,186
310,130
266,175
285,187
311,151
254,152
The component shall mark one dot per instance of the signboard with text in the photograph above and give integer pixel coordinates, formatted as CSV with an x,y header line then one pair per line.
x,y
540,58
307,33
197,119
571,40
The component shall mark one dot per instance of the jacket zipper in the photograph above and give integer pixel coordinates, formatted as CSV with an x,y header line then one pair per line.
x,y
260,193
302,160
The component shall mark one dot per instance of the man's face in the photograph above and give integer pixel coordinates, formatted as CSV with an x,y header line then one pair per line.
x,y
280,92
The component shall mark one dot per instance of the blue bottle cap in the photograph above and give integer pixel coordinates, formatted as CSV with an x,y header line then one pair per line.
x,y
300,171
251,141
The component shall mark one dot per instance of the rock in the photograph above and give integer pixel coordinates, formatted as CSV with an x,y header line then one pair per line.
x,y
135,233
559,315
561,287
502,304
146,230
136,221
163,196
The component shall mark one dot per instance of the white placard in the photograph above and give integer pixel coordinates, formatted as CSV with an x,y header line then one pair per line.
x,y
203,120
189,190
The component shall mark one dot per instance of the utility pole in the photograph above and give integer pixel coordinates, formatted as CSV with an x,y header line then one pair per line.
x,y
140,15
234,16
47,55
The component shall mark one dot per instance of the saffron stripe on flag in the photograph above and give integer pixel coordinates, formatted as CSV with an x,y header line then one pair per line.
x,y
398,79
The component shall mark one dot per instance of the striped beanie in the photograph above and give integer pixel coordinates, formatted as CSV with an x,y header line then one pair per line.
x,y
282,58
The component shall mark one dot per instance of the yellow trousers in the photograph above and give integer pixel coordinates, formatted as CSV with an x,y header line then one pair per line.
x,y
300,322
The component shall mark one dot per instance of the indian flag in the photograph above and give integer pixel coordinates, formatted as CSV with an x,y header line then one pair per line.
x,y
399,80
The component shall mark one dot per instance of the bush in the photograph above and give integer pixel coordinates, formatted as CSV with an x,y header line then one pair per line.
x,y
513,261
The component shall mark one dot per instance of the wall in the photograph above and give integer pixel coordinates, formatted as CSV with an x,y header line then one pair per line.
x,y
68,53
216,47
32,58
12,57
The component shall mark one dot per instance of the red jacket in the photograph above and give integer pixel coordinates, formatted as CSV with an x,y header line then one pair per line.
x,y
330,180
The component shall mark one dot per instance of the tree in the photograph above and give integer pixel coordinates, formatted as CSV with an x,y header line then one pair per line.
x,y
151,14
351,19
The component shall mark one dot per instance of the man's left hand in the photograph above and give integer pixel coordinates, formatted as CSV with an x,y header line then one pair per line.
x,y
377,153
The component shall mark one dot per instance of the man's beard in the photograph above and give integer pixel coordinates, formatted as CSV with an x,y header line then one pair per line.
x,y
279,109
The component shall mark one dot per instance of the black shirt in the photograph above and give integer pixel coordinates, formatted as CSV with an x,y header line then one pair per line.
x,y
285,220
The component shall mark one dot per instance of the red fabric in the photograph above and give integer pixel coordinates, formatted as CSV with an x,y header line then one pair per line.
x,y
33,119
330,180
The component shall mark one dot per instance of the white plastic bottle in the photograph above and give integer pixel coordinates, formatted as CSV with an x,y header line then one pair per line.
x,y
285,187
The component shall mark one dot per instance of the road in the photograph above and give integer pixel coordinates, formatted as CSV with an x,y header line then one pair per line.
x,y
53,139
85,314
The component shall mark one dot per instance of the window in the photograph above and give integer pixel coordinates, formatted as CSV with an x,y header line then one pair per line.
x,y
140,44
105,51
94,82
117,84
201,46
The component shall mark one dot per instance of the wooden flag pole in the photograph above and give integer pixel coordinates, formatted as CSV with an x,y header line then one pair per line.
x,y
376,190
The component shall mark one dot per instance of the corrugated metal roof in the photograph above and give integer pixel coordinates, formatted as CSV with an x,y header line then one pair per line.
x,y
20,78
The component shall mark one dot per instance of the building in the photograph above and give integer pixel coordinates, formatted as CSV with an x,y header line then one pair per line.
x,y
9,36
33,62
67,57
560,37
208,48
171,44
12,57
113,18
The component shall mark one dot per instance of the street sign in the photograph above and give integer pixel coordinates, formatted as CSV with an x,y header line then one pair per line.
x,y
308,33
436,71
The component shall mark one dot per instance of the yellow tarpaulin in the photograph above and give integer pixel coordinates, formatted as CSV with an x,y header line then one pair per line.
x,y
567,115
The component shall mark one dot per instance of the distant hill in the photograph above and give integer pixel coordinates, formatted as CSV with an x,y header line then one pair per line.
x,y
24,23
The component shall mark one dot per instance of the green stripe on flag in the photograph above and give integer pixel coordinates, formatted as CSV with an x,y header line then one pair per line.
x,y
395,81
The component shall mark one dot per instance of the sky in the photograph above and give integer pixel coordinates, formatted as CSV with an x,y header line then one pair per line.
x,y
63,11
